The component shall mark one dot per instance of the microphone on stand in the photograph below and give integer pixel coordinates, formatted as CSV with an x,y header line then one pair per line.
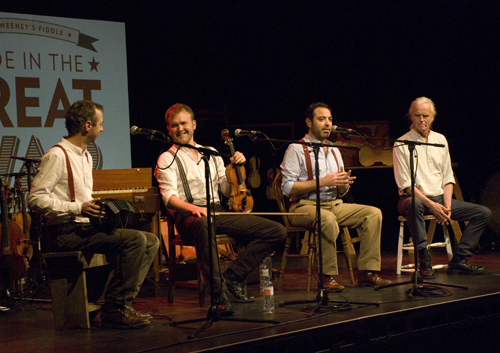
x,y
30,160
151,134
240,133
335,128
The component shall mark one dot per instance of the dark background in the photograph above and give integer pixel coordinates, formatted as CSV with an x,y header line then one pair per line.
x,y
266,61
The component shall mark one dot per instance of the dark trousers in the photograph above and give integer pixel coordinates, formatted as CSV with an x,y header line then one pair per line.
x,y
129,251
258,235
477,215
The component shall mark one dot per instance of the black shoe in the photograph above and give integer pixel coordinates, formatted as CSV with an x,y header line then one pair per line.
x,y
464,267
425,265
225,308
235,289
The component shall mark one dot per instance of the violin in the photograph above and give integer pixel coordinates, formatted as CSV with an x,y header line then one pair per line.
x,y
254,173
22,246
10,230
241,199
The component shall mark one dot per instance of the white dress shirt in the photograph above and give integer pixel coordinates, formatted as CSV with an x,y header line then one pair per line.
x,y
169,180
50,193
294,169
432,164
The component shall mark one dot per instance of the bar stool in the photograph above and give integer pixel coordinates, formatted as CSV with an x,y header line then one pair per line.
x,y
430,236
71,299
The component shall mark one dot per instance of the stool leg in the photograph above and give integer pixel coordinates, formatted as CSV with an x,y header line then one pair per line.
x,y
446,235
70,304
400,247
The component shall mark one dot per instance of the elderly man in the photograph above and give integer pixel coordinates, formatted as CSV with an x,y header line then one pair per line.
x,y
433,191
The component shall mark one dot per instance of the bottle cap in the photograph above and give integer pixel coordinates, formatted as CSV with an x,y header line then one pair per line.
x,y
267,277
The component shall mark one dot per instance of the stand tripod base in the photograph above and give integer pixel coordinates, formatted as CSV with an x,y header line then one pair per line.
x,y
417,279
213,315
322,300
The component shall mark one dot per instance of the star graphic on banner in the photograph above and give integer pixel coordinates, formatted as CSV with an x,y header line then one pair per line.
x,y
93,64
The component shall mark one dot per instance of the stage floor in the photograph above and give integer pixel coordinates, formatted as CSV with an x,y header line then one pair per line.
x,y
388,318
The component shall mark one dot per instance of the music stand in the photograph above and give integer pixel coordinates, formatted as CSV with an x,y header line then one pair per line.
x,y
213,314
416,276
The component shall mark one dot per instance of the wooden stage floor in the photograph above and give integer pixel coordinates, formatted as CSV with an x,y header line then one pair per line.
x,y
462,320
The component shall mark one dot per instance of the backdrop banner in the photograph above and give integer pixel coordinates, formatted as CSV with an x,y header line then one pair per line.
x,y
46,64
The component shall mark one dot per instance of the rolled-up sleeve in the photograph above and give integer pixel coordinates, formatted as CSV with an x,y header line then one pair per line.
x,y
401,167
291,168
448,177
166,174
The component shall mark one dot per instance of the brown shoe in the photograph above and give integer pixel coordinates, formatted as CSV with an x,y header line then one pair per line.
x,y
331,284
122,318
372,279
134,311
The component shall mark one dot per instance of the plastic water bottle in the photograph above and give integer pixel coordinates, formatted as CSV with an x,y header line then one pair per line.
x,y
263,271
268,292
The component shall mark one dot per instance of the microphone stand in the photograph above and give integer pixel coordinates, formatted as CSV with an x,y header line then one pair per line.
x,y
213,314
322,296
416,276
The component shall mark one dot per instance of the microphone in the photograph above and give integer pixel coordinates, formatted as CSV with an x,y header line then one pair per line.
x,y
134,130
239,133
151,134
30,160
335,128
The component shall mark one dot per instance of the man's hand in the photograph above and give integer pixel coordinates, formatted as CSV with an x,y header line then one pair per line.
x,y
341,178
199,211
442,213
238,158
89,209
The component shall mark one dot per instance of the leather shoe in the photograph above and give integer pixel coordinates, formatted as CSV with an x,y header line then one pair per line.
x,y
136,312
464,267
425,265
224,307
372,279
331,284
122,318
236,292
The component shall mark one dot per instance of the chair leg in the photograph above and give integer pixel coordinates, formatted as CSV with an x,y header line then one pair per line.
x,y
348,249
286,251
457,231
311,254
202,287
400,247
171,274
431,230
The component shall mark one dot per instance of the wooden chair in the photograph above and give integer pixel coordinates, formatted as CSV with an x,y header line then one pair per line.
x,y
310,238
69,274
174,241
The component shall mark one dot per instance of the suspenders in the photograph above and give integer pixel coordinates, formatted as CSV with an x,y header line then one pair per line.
x,y
71,182
308,160
185,184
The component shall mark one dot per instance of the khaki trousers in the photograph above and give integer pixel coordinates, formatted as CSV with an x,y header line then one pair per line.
x,y
336,214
